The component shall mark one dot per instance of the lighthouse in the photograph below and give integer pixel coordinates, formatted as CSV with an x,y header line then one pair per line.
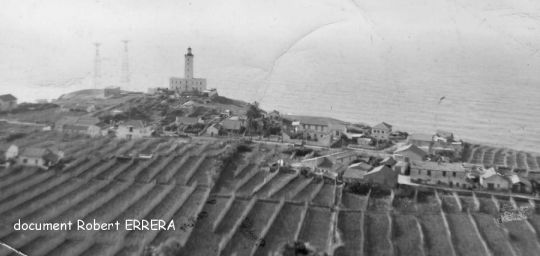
x,y
188,65
188,83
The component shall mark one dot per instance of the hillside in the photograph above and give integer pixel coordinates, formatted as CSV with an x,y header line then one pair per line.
x,y
222,203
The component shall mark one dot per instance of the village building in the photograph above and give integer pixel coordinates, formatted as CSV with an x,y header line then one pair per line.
x,y
232,126
79,125
213,130
410,153
382,175
133,129
520,184
495,181
112,91
443,136
446,174
381,131
188,83
8,102
40,157
423,141
210,92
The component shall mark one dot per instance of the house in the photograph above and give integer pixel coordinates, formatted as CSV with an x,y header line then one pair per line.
x,y
443,136
495,181
232,126
410,153
433,173
381,131
520,184
133,129
8,102
210,92
40,157
421,140
213,130
382,175
79,125
274,114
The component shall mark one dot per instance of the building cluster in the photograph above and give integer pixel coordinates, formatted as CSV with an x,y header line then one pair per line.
x,y
30,156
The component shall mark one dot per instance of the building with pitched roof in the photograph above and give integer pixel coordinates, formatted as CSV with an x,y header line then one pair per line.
x,y
8,102
382,175
438,173
410,153
40,157
133,129
381,131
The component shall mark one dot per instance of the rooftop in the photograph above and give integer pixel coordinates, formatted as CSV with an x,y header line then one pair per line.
x,y
383,125
7,97
421,137
435,166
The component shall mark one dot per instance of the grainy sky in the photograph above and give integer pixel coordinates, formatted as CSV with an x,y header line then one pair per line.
x,y
50,43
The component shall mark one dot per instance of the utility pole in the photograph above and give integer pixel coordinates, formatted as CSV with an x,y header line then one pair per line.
x,y
97,67
125,65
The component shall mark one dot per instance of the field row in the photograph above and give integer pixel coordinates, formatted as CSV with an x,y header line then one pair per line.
x,y
489,156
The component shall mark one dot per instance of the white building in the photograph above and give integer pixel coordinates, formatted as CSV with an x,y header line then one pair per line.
x,y
188,83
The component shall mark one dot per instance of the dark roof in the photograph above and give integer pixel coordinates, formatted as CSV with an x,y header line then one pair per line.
x,y
388,161
314,120
326,163
34,152
7,97
412,148
383,126
231,124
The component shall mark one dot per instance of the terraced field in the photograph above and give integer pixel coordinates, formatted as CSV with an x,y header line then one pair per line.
x,y
491,156
238,208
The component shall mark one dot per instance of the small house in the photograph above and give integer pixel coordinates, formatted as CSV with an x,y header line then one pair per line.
x,y
40,157
421,140
133,129
232,126
381,131
355,172
410,153
520,184
213,130
495,181
443,136
8,102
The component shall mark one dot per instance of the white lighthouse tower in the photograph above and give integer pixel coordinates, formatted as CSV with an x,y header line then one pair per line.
x,y
188,83
188,66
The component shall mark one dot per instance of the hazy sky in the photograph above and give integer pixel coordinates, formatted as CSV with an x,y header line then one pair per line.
x,y
261,43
